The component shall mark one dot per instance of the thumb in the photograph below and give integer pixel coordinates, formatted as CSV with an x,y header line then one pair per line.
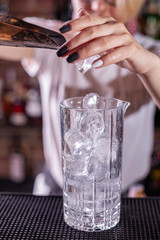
x,y
82,12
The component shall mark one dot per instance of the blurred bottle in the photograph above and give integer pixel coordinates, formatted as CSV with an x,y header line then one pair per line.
x,y
33,107
4,6
150,19
136,190
1,103
17,169
7,95
17,114
152,181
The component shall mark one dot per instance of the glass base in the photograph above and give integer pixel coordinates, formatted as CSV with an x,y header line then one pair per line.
x,y
92,222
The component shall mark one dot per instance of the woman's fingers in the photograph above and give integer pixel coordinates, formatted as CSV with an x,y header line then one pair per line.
x,y
94,32
95,46
82,12
104,36
85,21
97,35
115,56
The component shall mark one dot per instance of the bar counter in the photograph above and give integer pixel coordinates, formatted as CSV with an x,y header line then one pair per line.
x,y
30,217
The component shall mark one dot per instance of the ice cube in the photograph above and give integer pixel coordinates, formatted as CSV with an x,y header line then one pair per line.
x,y
92,124
76,166
102,148
97,170
76,143
92,166
90,101
86,64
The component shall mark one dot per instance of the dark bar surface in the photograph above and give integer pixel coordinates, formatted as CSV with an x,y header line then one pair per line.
x,y
30,217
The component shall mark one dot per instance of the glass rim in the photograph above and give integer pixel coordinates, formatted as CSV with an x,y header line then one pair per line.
x,y
121,105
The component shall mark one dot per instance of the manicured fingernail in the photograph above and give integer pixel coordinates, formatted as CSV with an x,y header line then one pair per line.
x,y
62,51
74,56
97,64
65,28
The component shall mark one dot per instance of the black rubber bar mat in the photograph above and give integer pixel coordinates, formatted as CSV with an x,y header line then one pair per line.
x,y
35,217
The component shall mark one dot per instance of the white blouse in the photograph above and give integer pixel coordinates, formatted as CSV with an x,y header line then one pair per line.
x,y
59,80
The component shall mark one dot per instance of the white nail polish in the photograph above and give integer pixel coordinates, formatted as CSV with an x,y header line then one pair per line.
x,y
97,64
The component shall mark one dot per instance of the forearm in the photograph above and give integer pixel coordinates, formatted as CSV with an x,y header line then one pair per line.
x,y
151,81
15,53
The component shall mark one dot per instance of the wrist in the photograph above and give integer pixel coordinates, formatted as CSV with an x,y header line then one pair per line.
x,y
151,81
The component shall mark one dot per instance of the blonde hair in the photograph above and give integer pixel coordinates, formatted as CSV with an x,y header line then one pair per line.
x,y
129,9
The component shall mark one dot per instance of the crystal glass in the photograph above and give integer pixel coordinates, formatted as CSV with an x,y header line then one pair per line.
x,y
92,137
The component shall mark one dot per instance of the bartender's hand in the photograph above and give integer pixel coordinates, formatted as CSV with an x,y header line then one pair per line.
x,y
110,39
115,45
